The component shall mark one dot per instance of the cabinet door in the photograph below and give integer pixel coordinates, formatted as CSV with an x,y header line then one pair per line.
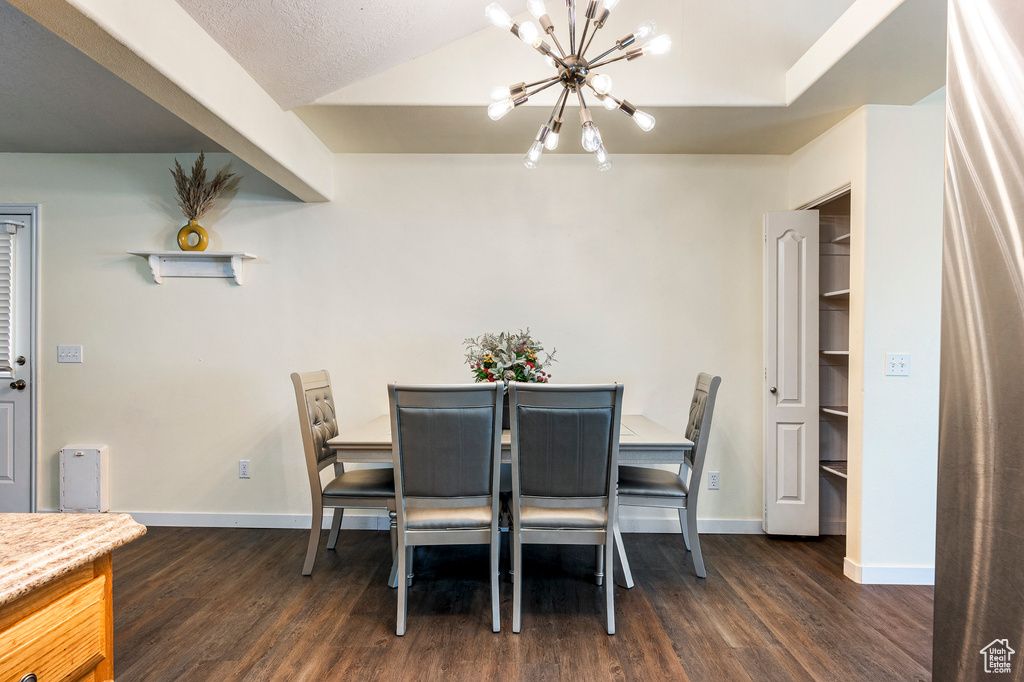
x,y
791,373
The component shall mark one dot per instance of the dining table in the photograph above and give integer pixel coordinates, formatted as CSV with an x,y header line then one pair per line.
x,y
642,441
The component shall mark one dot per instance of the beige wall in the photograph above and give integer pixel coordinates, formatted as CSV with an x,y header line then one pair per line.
x,y
653,275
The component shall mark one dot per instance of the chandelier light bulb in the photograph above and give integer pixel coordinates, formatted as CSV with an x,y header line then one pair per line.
x,y
659,45
604,162
602,83
528,33
537,8
498,109
609,5
500,92
645,30
643,120
532,157
497,15
550,61
591,137
551,141
609,103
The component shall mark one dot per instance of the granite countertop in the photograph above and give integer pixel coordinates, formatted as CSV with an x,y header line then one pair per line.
x,y
36,548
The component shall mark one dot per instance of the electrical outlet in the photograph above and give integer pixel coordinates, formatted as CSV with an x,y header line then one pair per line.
x,y
713,480
69,353
243,468
897,364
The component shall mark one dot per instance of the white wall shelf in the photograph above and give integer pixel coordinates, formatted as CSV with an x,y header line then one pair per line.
x,y
195,264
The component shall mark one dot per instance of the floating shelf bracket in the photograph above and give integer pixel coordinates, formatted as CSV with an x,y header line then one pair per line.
x,y
196,264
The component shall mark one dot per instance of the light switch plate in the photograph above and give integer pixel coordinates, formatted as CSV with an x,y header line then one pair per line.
x,y
897,364
69,353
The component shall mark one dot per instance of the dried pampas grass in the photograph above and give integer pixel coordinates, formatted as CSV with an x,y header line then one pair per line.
x,y
196,196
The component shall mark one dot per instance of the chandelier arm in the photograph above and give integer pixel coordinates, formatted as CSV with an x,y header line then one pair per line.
x,y
561,50
583,37
540,89
606,52
583,105
628,55
571,7
583,51
530,85
560,102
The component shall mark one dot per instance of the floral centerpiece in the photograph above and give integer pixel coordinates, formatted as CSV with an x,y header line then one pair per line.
x,y
508,357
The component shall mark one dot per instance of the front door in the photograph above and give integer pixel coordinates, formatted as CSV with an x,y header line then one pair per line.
x,y
791,373
17,358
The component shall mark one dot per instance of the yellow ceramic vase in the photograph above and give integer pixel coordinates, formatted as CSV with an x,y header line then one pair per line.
x,y
193,228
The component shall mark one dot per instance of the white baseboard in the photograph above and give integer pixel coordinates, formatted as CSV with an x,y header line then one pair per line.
x,y
358,519
888,575
361,519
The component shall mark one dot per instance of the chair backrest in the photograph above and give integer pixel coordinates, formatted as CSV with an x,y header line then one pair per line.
x,y
318,421
698,428
565,440
446,440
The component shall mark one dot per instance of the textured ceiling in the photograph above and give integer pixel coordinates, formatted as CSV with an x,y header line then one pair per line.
x,y
300,50
54,99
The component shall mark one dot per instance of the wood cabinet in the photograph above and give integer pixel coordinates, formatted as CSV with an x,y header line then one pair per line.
x,y
62,630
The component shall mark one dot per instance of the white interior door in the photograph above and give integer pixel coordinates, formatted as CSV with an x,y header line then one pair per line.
x,y
791,373
17,359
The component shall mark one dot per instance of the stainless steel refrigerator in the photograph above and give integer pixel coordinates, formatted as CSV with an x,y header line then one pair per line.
x,y
979,577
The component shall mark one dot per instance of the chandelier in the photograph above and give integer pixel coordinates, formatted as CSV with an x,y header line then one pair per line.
x,y
575,73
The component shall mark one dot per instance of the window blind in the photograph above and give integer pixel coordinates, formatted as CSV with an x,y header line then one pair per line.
x,y
8,232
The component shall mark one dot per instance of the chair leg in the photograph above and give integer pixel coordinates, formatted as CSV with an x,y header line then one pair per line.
x,y
314,538
609,588
393,578
410,553
495,575
624,576
332,541
402,589
682,527
599,573
698,559
517,582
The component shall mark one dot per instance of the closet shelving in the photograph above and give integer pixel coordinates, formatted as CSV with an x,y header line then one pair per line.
x,y
834,359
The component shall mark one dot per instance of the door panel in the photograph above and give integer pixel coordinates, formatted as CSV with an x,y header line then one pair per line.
x,y
791,376
17,480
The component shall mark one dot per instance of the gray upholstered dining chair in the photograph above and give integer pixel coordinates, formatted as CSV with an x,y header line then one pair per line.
x,y
565,450
446,444
361,488
645,487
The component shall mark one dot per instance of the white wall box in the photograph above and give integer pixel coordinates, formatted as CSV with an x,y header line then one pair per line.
x,y
84,478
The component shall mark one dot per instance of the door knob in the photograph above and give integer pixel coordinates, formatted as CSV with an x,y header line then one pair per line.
x,y
770,390
20,360
19,384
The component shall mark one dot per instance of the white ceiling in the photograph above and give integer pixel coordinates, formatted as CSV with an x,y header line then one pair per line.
x,y
393,76
301,50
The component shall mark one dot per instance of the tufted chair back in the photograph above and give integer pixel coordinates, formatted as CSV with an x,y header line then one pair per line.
x,y
702,409
317,418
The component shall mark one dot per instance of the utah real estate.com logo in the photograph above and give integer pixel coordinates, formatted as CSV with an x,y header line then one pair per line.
x,y
997,655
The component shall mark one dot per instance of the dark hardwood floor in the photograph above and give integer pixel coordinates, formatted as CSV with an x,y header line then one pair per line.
x,y
231,604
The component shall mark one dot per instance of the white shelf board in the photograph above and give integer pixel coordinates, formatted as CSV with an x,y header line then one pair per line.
x,y
196,264
840,411
845,353
835,467
841,293
841,238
